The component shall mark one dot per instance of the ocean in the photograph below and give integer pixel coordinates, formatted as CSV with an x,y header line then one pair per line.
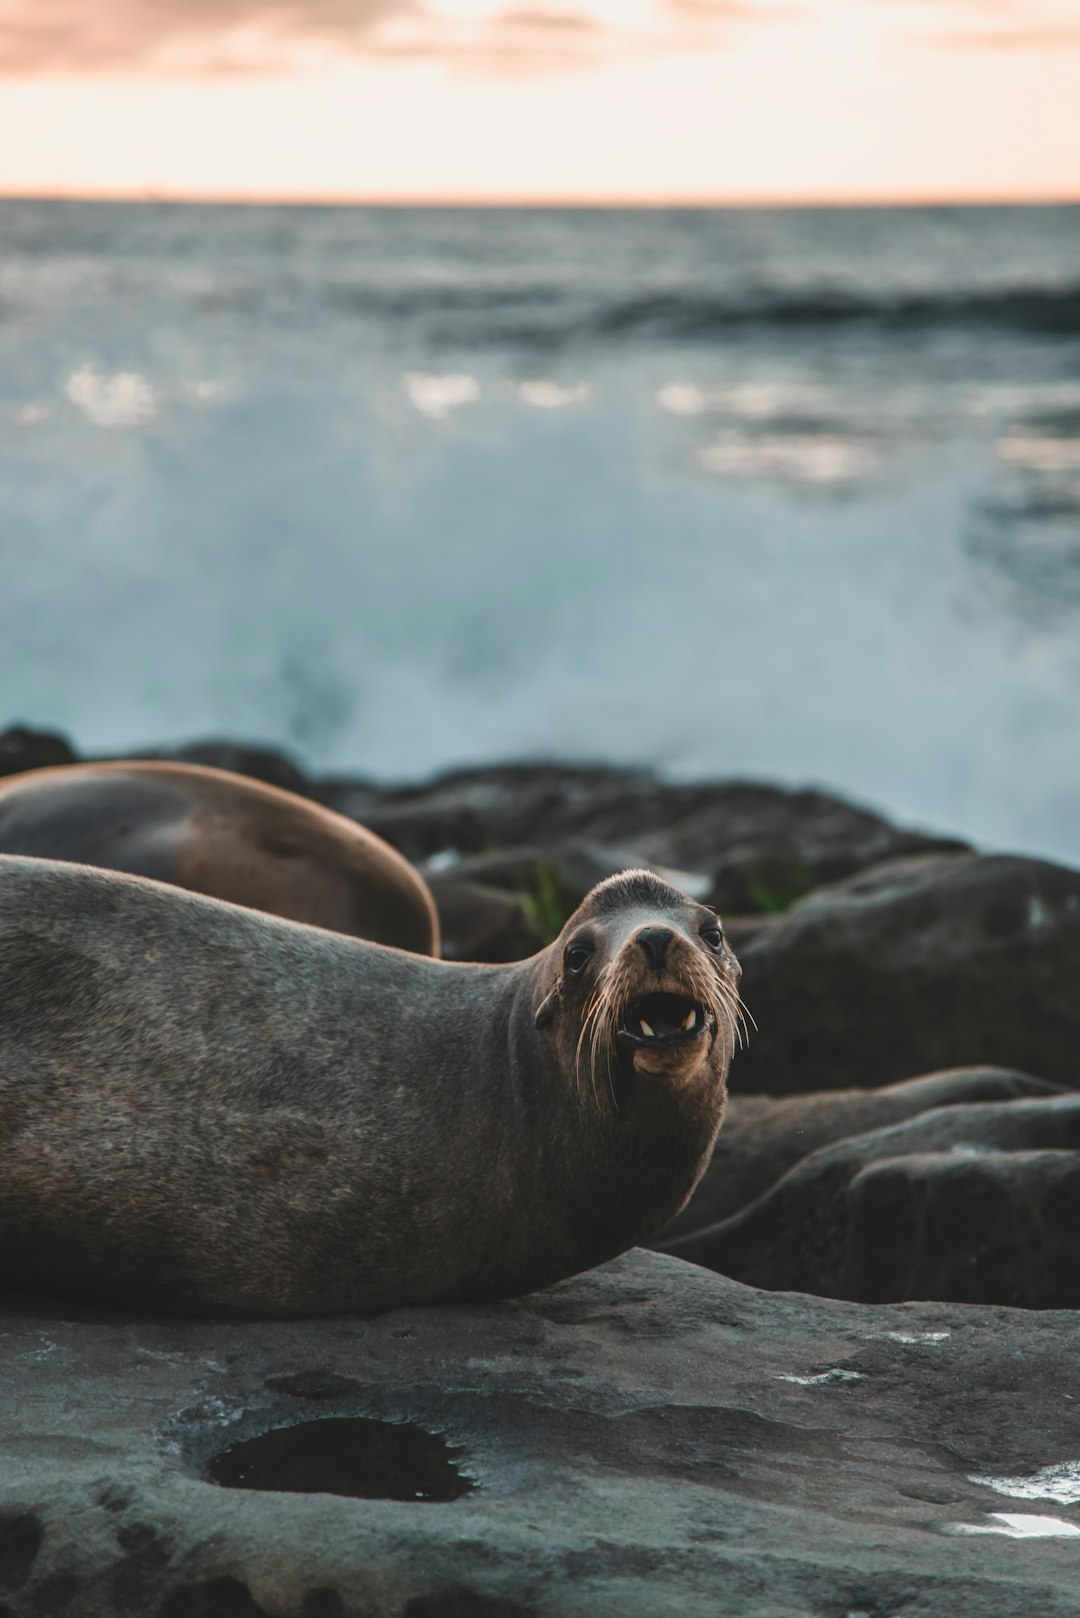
x,y
783,494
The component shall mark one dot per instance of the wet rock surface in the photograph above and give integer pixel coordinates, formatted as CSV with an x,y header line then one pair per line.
x,y
645,1440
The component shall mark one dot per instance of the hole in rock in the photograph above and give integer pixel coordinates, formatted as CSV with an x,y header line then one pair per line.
x,y
354,1456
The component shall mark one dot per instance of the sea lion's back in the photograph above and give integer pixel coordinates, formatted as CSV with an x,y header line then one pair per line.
x,y
137,984
207,1109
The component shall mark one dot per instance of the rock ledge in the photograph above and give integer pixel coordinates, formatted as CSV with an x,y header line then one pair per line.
x,y
645,1440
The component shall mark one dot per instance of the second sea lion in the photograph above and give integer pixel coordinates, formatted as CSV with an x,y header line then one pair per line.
x,y
224,835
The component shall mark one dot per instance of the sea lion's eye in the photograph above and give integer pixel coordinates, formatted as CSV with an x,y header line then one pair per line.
x,y
713,934
578,957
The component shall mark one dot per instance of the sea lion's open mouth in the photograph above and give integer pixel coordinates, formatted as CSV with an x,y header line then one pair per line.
x,y
665,1019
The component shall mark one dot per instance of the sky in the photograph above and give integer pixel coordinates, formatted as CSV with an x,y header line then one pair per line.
x,y
619,101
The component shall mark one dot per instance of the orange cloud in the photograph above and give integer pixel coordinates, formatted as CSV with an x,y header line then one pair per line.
x,y
71,38
1004,25
1014,37
39,37
509,44
726,11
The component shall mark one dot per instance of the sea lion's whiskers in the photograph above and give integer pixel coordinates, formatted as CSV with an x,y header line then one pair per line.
x,y
728,1006
593,1047
721,997
591,1026
616,999
593,1008
741,1012
604,1021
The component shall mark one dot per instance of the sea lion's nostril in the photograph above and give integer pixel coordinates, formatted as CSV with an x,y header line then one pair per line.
x,y
654,941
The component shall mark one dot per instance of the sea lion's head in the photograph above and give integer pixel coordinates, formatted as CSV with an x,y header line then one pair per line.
x,y
645,987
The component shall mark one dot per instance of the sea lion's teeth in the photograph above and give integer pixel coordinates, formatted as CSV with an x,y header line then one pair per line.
x,y
690,1019
646,1030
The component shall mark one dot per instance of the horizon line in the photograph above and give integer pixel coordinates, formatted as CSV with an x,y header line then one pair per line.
x,y
154,195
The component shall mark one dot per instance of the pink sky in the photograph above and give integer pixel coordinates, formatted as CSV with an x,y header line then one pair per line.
x,y
611,100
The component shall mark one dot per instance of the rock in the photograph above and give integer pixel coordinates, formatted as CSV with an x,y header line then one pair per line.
x,y
761,846
22,749
930,962
764,1136
497,807
647,1440
741,930
479,923
549,885
261,763
973,1203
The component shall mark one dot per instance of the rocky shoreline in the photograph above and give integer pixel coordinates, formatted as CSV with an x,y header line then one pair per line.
x,y
904,1126
872,955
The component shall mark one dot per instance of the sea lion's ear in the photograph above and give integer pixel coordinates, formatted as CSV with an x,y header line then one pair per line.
x,y
546,1011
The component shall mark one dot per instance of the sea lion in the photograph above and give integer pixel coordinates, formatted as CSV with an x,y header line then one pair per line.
x,y
205,1110
221,834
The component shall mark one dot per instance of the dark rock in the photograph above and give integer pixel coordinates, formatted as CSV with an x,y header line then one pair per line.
x,y
762,846
20,1541
549,885
416,829
764,1136
741,930
261,763
32,750
972,1203
648,1440
479,923
924,963
497,807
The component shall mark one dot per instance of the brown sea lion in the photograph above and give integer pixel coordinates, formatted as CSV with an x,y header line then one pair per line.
x,y
205,1110
223,835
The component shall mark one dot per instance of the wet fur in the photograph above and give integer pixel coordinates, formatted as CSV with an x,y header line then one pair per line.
x,y
207,1110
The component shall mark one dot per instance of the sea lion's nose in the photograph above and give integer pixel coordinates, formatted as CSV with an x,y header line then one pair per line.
x,y
654,941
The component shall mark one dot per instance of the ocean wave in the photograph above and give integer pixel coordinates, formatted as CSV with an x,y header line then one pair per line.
x,y
1054,310
524,307
516,314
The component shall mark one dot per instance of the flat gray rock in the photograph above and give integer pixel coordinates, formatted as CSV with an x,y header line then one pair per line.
x,y
647,1439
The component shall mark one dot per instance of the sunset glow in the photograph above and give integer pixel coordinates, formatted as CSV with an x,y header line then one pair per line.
x,y
575,100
